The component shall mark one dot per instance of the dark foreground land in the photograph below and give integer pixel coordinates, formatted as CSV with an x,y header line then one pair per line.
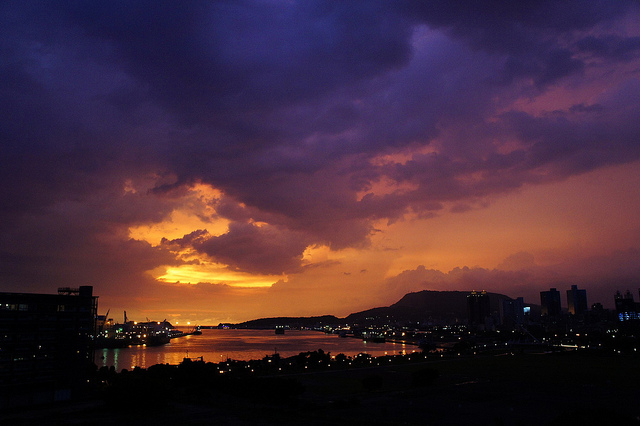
x,y
574,388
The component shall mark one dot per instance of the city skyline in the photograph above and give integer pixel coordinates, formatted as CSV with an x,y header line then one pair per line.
x,y
220,162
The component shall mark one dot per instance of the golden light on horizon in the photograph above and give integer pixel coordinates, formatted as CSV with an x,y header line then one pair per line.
x,y
214,273
197,213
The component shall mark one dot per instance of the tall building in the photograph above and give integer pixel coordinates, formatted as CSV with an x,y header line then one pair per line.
x,y
478,307
550,303
626,308
577,301
46,344
512,312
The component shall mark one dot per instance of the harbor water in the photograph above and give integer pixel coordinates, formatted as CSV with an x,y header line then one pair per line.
x,y
221,344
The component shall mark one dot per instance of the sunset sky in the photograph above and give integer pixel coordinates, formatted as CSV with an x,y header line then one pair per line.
x,y
223,161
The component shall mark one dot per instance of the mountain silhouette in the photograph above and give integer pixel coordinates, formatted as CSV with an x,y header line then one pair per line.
x,y
427,306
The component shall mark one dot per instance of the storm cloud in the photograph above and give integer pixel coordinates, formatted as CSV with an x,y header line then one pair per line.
x,y
314,120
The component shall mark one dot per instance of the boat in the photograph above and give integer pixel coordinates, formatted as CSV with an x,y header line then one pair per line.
x,y
150,333
157,340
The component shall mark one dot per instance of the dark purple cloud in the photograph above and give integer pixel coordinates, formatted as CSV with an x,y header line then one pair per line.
x,y
295,110
251,248
610,47
529,32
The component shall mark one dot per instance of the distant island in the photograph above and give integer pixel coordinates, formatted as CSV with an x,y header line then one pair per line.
x,y
427,306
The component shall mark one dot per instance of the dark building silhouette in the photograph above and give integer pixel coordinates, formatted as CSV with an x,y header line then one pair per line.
x,y
512,312
46,344
550,303
598,314
626,307
576,301
478,307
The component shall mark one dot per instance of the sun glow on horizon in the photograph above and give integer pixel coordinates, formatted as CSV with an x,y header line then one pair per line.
x,y
214,273
197,213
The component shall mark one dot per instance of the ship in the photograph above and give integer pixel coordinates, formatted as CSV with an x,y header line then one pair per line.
x,y
151,333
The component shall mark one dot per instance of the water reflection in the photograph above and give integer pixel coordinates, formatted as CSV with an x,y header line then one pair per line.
x,y
219,345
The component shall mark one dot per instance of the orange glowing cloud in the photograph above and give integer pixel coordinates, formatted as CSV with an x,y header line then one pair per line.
x,y
196,212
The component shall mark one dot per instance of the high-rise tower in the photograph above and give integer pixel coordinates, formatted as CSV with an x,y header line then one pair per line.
x,y
478,307
576,301
550,302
